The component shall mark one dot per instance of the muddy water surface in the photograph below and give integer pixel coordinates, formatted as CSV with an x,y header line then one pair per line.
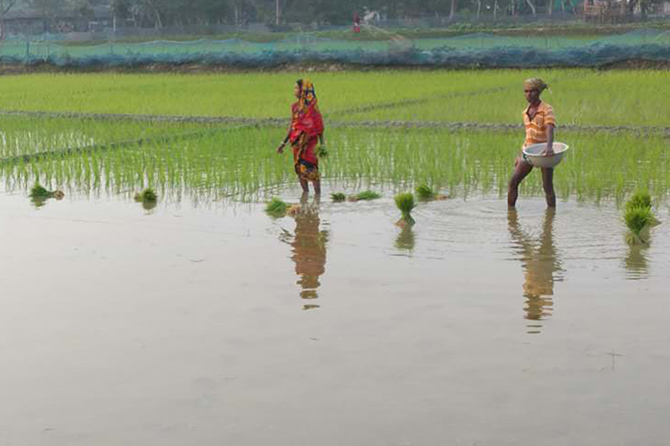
x,y
219,325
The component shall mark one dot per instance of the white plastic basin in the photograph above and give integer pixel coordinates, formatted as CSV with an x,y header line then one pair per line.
x,y
534,154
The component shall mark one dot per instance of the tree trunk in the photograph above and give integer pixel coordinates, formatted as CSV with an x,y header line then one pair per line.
x,y
532,6
495,9
551,7
452,12
479,8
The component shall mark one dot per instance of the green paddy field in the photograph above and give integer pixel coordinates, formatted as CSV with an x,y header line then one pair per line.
x,y
215,134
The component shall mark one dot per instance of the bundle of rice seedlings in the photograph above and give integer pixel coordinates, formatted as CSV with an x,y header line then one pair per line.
x,y
637,219
322,151
640,199
148,195
365,195
405,202
338,197
276,208
40,193
426,193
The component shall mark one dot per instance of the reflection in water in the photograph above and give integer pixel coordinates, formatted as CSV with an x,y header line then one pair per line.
x,y
541,268
309,251
636,262
149,205
406,239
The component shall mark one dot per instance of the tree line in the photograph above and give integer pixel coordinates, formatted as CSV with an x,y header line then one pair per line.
x,y
163,13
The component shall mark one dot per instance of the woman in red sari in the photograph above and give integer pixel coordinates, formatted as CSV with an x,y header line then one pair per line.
x,y
305,133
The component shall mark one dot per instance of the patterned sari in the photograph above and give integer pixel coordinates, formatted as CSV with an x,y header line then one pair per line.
x,y
306,128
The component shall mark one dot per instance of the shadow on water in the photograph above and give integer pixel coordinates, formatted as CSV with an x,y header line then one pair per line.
x,y
541,268
308,244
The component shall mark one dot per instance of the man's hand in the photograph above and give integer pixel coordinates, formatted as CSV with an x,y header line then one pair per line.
x,y
549,150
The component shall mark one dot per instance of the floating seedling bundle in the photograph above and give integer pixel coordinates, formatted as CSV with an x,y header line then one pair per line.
x,y
639,216
426,193
338,197
148,198
276,208
39,194
405,202
366,195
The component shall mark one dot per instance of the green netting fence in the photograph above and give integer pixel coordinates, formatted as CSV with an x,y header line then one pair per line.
x,y
469,50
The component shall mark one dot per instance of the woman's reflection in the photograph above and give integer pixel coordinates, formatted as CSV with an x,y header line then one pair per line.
x,y
541,267
309,251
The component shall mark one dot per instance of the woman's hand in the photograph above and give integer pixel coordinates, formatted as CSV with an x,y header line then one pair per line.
x,y
280,149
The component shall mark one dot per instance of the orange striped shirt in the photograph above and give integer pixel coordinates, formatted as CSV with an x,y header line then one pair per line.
x,y
536,129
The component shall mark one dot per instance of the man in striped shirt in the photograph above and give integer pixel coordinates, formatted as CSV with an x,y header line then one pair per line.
x,y
540,123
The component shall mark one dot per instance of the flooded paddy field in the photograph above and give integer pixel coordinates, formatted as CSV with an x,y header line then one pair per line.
x,y
210,324
203,320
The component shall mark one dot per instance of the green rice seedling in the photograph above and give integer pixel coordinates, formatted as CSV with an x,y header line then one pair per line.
x,y
148,195
276,208
365,196
38,192
39,195
637,219
640,199
338,197
405,202
425,192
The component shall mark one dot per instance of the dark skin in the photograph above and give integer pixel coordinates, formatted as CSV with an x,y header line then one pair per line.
x,y
522,169
280,150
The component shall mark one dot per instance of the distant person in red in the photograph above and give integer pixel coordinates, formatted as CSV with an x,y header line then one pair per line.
x,y
357,23
305,133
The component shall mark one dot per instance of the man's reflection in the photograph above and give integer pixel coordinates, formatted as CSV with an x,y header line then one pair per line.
x,y
541,267
309,251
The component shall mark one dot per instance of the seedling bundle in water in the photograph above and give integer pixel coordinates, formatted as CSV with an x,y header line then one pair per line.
x,y
638,216
146,196
426,193
338,197
365,196
406,204
39,194
276,208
